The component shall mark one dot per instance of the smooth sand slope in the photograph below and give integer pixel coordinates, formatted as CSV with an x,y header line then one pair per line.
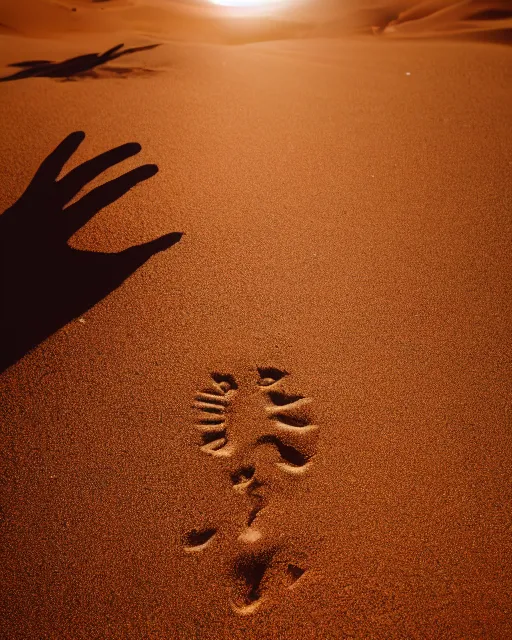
x,y
203,22
293,420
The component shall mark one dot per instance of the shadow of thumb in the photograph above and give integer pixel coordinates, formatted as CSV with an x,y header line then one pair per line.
x,y
139,254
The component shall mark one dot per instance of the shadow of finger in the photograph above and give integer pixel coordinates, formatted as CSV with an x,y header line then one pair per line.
x,y
53,164
78,214
79,177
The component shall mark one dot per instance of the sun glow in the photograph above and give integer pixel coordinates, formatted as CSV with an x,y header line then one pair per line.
x,y
248,3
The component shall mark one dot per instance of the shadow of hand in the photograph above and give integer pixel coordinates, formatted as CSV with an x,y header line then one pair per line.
x,y
45,283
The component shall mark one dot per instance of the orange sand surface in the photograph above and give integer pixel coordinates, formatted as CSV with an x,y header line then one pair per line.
x,y
285,412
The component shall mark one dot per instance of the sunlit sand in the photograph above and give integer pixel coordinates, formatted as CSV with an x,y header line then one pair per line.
x,y
255,311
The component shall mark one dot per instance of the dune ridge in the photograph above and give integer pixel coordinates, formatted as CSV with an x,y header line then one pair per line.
x,y
433,17
202,23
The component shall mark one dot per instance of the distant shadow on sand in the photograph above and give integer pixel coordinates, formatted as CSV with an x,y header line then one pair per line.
x,y
79,67
45,283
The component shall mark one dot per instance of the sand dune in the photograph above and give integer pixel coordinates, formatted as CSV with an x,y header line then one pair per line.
x,y
255,322
200,23
435,17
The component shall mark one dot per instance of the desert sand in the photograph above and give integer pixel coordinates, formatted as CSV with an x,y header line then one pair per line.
x,y
258,386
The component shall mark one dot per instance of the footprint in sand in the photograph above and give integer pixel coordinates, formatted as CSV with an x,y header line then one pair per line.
x,y
251,427
213,404
255,575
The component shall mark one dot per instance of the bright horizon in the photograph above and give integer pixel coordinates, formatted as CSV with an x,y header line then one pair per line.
x,y
248,3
